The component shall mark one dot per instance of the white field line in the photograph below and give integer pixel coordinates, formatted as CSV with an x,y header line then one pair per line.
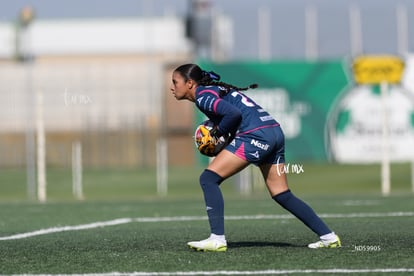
x,y
188,218
239,272
67,228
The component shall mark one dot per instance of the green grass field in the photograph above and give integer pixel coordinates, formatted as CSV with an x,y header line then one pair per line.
x,y
124,228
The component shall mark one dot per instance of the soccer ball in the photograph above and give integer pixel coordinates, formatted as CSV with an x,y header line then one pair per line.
x,y
211,149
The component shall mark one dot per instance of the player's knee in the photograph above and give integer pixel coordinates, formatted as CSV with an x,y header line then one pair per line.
x,y
208,177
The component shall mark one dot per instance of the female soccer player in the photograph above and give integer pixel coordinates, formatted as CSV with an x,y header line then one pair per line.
x,y
258,139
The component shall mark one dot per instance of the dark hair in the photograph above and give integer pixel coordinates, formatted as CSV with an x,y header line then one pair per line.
x,y
201,77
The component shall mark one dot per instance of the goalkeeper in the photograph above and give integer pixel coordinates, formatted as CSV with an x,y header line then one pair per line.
x,y
258,139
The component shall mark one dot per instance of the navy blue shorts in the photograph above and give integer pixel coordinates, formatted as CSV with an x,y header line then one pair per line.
x,y
262,146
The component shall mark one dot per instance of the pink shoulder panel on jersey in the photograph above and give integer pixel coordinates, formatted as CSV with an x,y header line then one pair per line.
x,y
215,94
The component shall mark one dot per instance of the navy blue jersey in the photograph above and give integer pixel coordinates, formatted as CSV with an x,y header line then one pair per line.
x,y
233,111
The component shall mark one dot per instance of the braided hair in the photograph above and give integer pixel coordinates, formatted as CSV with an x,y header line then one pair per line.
x,y
201,77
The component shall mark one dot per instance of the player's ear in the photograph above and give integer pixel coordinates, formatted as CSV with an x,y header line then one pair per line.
x,y
190,83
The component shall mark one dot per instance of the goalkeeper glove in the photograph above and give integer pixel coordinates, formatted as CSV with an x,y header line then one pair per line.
x,y
208,141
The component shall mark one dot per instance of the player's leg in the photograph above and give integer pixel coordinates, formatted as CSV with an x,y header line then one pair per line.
x,y
224,165
276,182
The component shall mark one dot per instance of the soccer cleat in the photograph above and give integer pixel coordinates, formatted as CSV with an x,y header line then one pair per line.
x,y
209,245
326,244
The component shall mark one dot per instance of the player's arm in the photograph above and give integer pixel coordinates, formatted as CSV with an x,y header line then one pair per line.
x,y
208,101
231,118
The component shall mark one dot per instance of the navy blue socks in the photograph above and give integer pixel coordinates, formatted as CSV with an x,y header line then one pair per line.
x,y
210,183
302,211
213,198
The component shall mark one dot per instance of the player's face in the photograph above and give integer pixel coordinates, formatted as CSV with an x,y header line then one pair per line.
x,y
181,88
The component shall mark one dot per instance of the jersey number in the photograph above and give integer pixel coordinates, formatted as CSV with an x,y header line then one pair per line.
x,y
244,100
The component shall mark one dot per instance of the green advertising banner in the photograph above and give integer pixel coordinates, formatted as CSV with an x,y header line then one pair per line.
x,y
298,94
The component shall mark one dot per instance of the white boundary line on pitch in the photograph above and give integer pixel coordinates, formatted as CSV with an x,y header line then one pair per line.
x,y
188,218
239,272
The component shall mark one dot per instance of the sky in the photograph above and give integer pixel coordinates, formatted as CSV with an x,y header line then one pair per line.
x,y
286,30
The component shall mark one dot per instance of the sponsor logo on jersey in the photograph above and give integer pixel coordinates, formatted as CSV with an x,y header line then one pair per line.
x,y
259,145
266,118
209,103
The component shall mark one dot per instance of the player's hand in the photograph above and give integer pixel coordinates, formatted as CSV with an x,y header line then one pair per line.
x,y
208,142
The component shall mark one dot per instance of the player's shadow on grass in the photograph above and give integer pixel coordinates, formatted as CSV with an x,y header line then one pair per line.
x,y
260,244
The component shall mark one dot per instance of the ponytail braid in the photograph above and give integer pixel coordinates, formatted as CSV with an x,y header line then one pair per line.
x,y
212,78
193,71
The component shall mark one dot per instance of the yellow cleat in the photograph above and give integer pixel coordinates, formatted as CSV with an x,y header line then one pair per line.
x,y
326,244
209,245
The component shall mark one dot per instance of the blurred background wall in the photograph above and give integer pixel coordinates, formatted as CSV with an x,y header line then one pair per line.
x,y
102,83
